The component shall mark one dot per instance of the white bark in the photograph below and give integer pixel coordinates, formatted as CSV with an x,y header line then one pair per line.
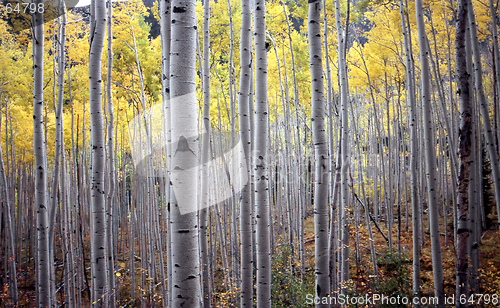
x,y
98,207
322,177
410,86
330,105
465,96
111,162
186,289
430,158
165,19
41,203
59,138
205,156
246,288
344,179
260,159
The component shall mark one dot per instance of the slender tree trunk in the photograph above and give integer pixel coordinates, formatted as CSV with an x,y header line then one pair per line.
x,y
185,252
453,129
430,158
334,213
232,103
410,83
332,169
41,203
464,149
344,180
111,162
472,244
98,219
205,155
244,119
58,139
261,159
165,19
322,180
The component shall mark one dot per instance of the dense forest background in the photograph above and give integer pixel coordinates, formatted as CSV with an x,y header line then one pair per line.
x,y
327,149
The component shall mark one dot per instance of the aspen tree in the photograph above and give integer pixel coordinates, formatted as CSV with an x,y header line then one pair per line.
x,y
410,90
246,299
41,203
165,23
98,236
261,159
472,244
205,155
111,162
430,157
232,103
185,253
59,138
322,178
464,148
59,151
344,178
331,148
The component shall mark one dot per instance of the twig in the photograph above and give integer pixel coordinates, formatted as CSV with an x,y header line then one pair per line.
x,y
371,217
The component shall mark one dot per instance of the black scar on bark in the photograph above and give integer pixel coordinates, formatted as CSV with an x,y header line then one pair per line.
x,y
177,9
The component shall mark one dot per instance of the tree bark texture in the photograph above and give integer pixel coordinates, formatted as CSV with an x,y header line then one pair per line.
x,y
246,291
430,157
322,177
464,148
261,159
186,291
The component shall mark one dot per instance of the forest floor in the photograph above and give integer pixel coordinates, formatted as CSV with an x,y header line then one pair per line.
x,y
289,288
395,269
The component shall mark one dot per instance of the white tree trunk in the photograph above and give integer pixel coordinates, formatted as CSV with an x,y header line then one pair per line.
x,y
165,19
322,177
205,156
464,149
186,291
246,289
59,139
344,178
430,158
410,86
41,203
260,160
111,162
98,207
